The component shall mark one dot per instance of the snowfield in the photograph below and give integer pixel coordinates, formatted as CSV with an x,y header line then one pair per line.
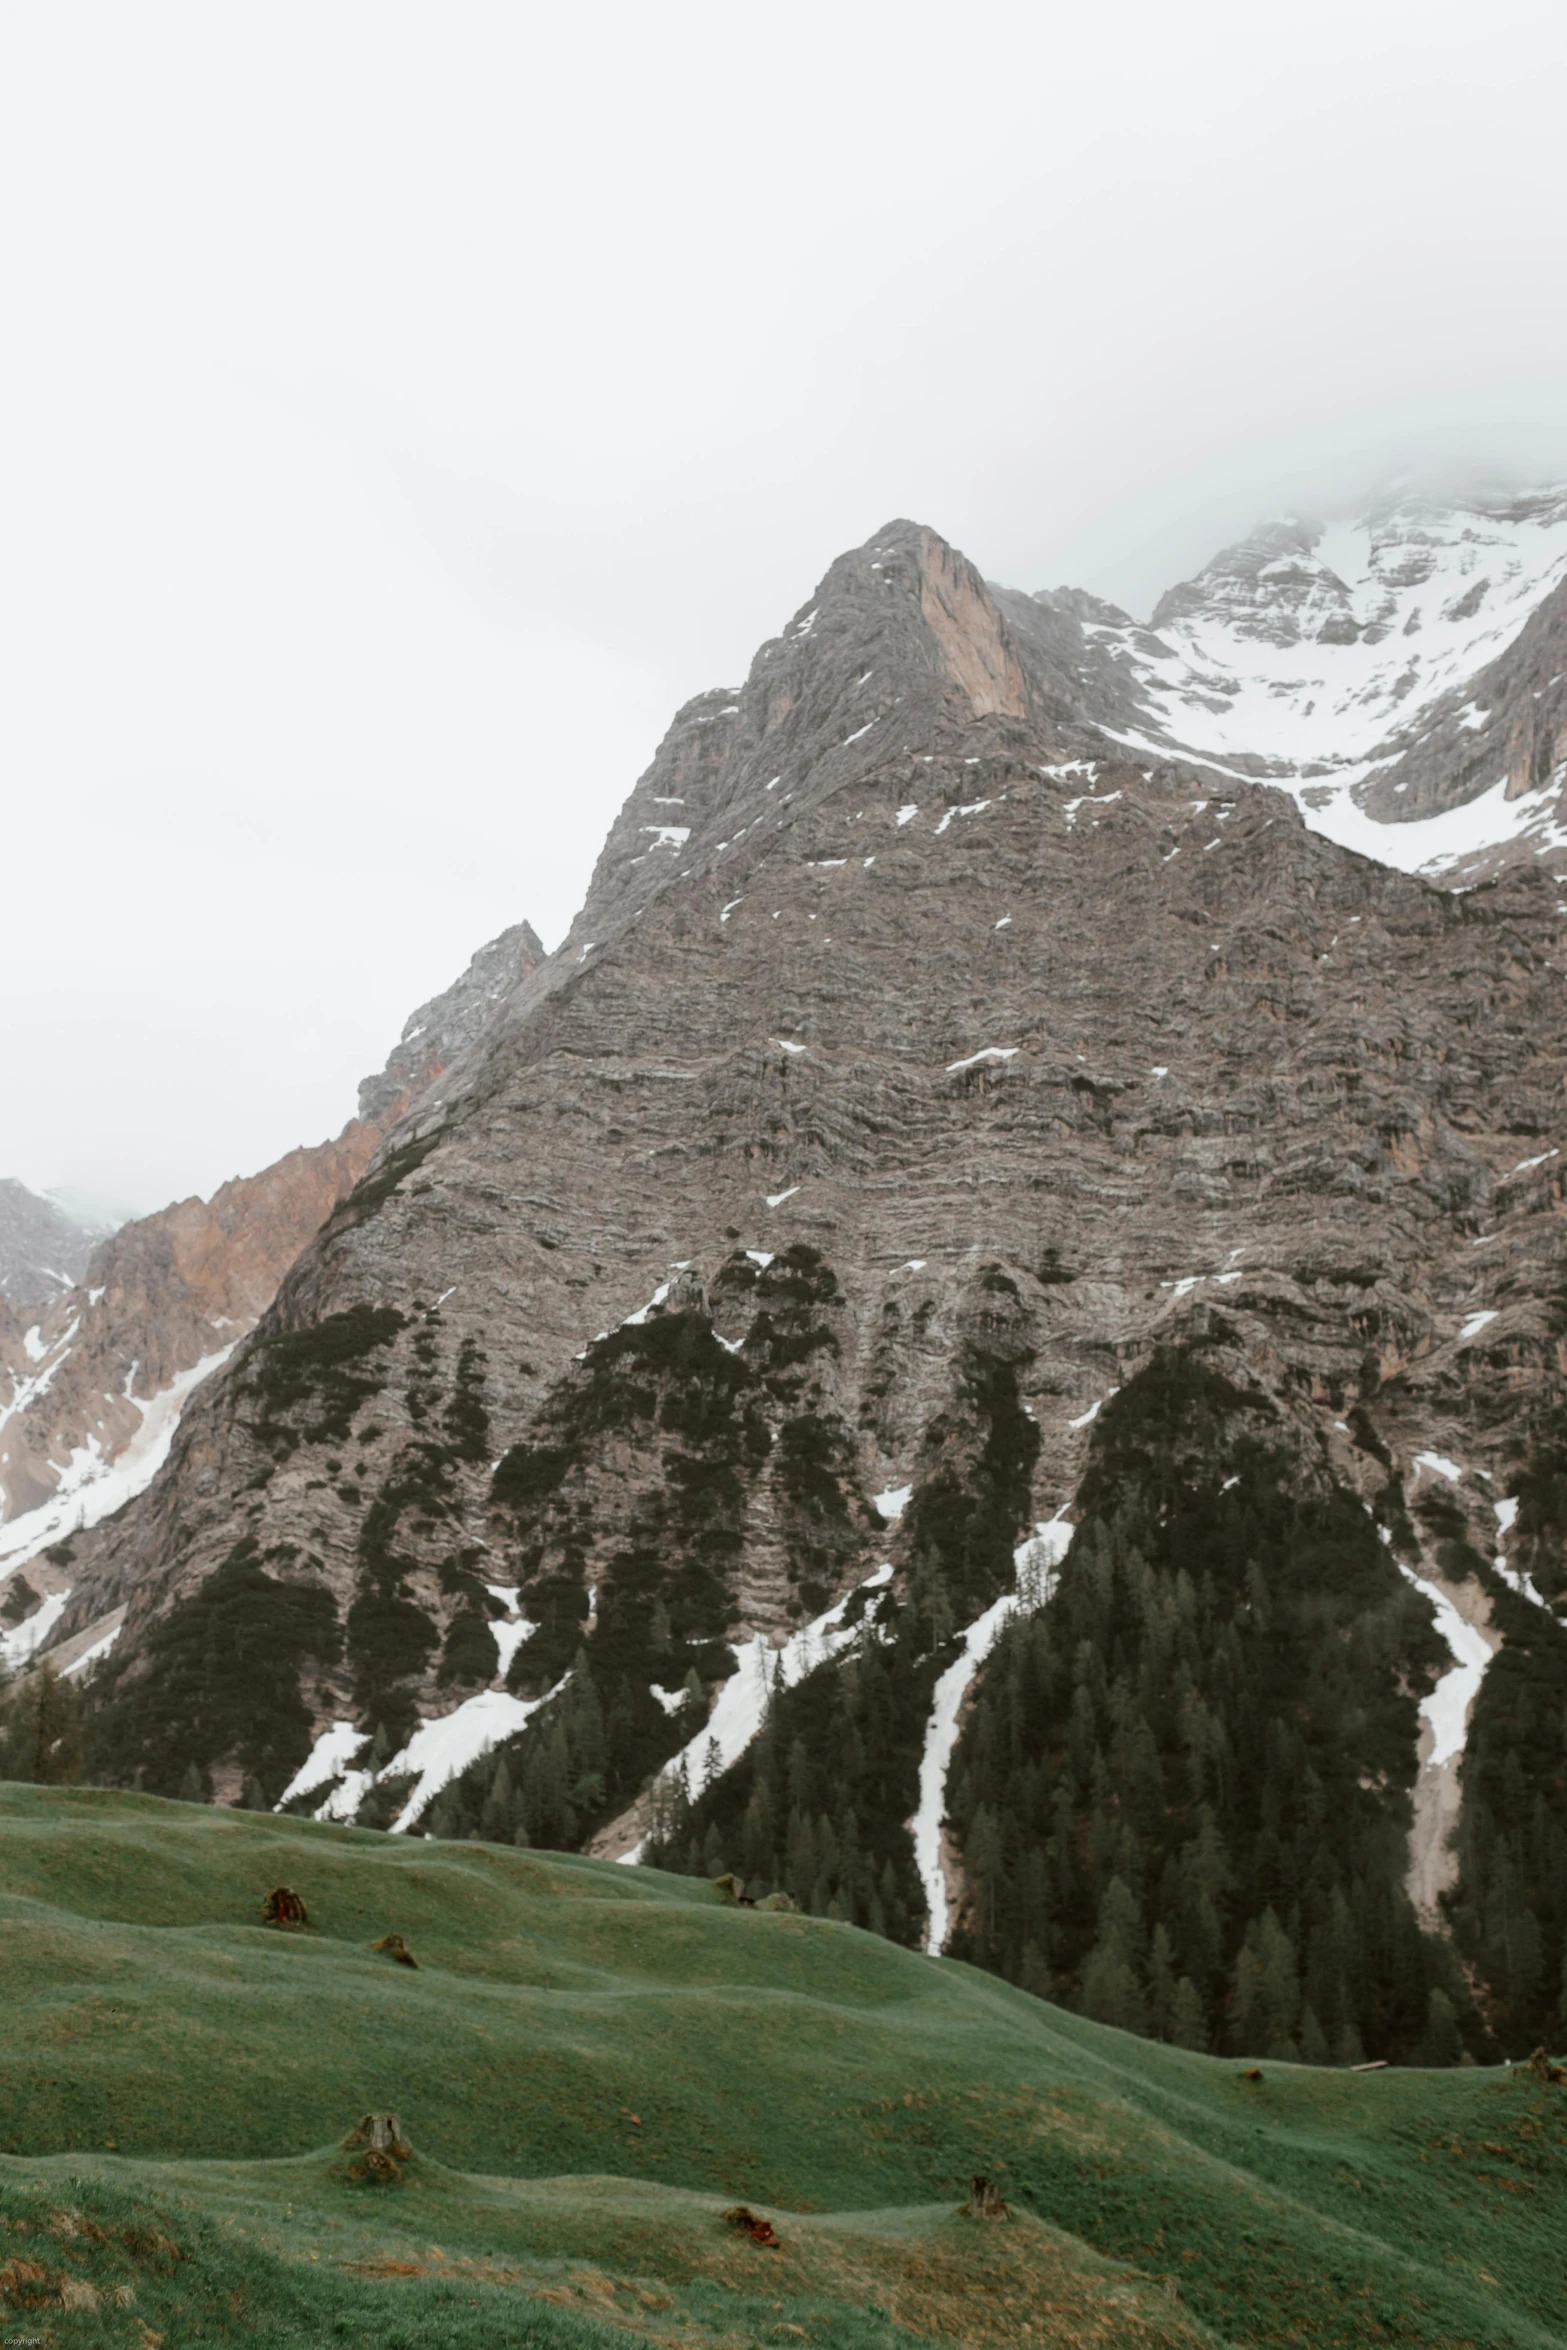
x,y
91,1488
1321,649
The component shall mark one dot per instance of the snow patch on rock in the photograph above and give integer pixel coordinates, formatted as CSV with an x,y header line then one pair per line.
x,y
741,1704
1446,1711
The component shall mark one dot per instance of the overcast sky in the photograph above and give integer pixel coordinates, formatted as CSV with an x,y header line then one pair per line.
x,y
405,408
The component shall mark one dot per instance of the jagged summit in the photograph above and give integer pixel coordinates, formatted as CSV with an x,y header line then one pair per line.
x,y
440,1030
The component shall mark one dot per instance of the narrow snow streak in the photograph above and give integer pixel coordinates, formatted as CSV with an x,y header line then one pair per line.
x,y
330,1756
441,1749
1035,1562
1446,1710
1516,1578
991,1052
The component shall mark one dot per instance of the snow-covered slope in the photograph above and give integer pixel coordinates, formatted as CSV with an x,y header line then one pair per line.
x,y
1313,646
1361,665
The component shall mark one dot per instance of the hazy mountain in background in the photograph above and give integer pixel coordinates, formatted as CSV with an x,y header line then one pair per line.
x,y
1403,675
982,1343
44,1242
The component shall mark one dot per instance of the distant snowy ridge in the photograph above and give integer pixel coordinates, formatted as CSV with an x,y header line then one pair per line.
x,y
1313,655
1311,646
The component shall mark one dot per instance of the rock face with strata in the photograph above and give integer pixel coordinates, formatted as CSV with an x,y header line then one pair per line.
x,y
877,964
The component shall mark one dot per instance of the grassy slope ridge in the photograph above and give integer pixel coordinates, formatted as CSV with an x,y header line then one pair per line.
x,y
612,2057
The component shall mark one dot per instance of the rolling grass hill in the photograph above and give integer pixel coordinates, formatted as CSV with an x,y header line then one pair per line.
x,y
592,2063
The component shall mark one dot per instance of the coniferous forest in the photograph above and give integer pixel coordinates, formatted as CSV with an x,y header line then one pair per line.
x,y
1183,1790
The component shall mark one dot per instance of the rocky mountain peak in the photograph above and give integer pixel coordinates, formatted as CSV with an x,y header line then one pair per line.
x,y
440,1030
1269,588
901,643
969,1162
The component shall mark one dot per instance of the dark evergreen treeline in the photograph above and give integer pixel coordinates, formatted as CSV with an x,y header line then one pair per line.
x,y
1182,1792
818,1807
219,1676
1509,1909
41,1729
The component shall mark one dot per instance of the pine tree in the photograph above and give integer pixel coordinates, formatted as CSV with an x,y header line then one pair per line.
x,y
41,1733
1188,2024
1280,1989
1248,2024
1161,1984
193,1787
1443,2042
1112,1986
497,1818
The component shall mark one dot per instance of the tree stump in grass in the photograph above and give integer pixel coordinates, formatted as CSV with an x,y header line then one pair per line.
x,y
985,2200
396,1947
380,2149
751,2223
283,1907
1544,2069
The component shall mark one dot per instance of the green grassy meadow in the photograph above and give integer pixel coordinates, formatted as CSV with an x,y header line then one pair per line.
x,y
593,2062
